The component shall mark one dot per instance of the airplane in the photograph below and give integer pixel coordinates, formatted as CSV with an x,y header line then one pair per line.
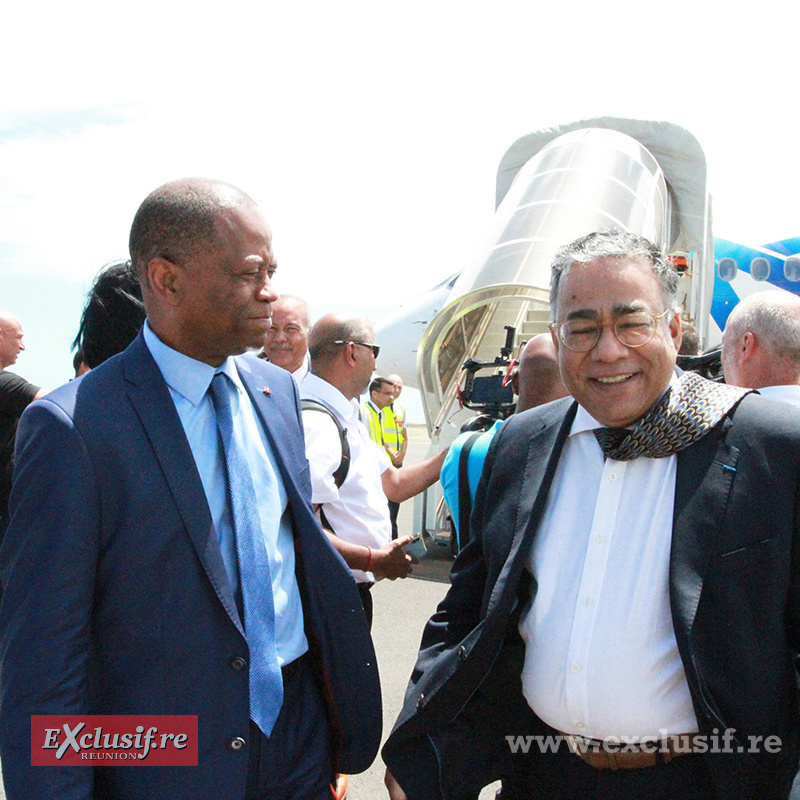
x,y
552,186
742,271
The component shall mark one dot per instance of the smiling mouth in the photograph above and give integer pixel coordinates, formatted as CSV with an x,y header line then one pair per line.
x,y
614,378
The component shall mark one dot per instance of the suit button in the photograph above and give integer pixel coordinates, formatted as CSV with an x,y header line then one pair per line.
x,y
237,744
421,701
462,653
238,663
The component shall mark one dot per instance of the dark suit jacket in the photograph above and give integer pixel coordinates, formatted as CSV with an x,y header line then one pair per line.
x,y
116,599
734,594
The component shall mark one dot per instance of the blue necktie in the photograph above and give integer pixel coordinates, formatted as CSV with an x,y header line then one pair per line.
x,y
266,683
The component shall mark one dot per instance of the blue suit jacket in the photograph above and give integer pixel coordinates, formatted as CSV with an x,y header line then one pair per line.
x,y
734,595
115,595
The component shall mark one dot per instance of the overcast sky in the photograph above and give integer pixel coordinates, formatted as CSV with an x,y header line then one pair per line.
x,y
369,133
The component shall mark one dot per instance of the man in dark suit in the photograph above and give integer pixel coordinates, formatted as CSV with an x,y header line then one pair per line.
x,y
625,622
126,586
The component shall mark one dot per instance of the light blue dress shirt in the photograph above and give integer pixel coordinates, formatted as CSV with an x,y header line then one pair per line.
x,y
188,381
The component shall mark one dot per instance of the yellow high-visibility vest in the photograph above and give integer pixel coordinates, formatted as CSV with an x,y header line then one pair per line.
x,y
371,416
394,417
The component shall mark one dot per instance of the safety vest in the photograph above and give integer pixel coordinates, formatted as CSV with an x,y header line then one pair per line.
x,y
371,416
394,416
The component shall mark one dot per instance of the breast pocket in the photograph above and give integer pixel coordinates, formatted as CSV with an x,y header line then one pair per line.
x,y
750,557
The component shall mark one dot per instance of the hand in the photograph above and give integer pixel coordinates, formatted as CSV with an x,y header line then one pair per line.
x,y
391,561
395,791
394,456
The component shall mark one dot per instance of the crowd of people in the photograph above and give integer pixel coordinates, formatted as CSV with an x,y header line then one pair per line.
x,y
195,524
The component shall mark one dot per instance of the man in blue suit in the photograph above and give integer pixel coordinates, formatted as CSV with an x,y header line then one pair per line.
x,y
125,588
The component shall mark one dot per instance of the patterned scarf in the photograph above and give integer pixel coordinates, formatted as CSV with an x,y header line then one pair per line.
x,y
688,410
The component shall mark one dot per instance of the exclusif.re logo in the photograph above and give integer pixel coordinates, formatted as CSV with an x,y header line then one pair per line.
x,y
113,739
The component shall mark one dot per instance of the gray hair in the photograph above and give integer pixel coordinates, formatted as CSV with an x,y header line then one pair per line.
x,y
302,307
616,244
776,327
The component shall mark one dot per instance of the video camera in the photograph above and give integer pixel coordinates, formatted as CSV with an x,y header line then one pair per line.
x,y
491,394
708,365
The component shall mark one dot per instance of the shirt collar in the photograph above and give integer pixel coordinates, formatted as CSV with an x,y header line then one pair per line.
x,y
315,386
185,375
782,390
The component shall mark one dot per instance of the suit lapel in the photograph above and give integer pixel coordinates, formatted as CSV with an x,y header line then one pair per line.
x,y
549,437
270,415
150,397
705,476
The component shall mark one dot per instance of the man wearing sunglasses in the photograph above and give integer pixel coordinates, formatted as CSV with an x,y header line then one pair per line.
x,y
625,621
354,511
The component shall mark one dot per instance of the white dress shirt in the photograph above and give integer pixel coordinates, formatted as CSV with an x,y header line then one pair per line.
x,y
300,373
188,381
784,394
358,510
601,657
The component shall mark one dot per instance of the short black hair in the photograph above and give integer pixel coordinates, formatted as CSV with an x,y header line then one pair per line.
x,y
178,219
376,384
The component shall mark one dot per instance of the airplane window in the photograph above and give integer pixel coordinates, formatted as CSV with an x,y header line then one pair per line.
x,y
759,268
727,269
791,268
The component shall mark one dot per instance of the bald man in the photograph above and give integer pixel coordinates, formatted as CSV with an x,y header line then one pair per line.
x,y
536,381
354,512
761,345
16,394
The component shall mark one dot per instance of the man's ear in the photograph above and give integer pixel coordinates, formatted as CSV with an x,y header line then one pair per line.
x,y
676,330
165,279
350,354
747,347
554,337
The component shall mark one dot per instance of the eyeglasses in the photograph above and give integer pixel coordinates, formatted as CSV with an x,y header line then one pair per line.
x,y
376,348
633,330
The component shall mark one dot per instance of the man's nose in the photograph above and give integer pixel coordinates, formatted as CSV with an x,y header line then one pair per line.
x,y
608,347
267,293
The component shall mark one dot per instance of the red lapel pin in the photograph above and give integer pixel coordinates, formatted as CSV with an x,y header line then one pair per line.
x,y
267,391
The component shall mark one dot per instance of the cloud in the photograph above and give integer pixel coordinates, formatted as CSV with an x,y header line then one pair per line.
x,y
51,124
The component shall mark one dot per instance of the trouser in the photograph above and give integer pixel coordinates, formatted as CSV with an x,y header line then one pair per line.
x,y
394,508
564,776
294,762
366,600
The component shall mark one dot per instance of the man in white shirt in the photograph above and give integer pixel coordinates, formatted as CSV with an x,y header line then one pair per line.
x,y
761,345
624,623
355,514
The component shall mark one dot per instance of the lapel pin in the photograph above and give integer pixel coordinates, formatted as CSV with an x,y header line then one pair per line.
x,y
267,391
